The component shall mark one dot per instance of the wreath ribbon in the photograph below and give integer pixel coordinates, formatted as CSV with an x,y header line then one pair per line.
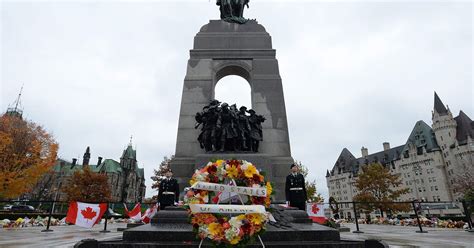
x,y
253,191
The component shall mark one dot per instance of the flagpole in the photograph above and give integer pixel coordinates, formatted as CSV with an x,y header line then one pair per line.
x,y
106,217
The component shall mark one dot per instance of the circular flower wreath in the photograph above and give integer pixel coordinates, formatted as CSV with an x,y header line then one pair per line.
x,y
221,229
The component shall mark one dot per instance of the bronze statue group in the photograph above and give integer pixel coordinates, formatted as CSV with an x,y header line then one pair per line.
x,y
226,128
233,10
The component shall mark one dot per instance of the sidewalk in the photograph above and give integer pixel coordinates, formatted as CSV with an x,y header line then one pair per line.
x,y
62,236
406,236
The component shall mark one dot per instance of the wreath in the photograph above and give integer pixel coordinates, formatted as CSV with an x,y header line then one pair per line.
x,y
228,229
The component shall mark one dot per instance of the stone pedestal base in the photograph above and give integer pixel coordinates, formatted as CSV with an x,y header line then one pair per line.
x,y
276,168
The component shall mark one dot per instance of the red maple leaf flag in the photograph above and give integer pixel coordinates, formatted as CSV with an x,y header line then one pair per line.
x,y
88,213
149,213
316,212
85,214
315,208
135,214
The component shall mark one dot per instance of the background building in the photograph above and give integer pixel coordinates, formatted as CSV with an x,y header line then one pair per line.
x,y
126,179
428,163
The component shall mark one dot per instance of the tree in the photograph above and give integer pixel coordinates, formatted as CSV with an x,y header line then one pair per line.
x,y
311,191
376,184
87,186
464,187
159,175
27,152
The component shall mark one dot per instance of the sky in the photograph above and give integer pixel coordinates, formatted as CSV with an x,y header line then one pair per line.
x,y
355,73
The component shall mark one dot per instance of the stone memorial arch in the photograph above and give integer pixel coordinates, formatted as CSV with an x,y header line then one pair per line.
x,y
222,49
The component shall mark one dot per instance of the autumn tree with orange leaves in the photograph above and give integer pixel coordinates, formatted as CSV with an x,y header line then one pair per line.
x,y
379,189
87,186
27,152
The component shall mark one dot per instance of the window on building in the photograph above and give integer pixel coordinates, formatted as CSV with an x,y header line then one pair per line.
x,y
419,150
436,188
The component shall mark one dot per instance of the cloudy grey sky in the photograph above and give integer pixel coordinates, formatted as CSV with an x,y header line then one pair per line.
x,y
355,73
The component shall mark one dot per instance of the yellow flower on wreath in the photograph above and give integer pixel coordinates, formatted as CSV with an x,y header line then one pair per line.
x,y
232,172
269,188
250,171
215,229
235,240
220,162
240,217
256,219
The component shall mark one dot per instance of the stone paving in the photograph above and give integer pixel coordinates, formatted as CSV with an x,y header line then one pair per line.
x,y
62,236
406,236
395,236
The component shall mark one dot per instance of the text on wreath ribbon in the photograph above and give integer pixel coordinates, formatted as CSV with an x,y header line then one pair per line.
x,y
253,191
227,209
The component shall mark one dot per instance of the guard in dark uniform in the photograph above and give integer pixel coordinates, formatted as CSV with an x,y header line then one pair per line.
x,y
295,189
168,193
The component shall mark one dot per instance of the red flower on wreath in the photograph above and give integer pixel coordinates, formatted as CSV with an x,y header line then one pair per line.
x,y
212,169
234,162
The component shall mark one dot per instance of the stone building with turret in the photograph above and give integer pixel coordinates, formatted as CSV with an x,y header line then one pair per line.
x,y
126,179
428,163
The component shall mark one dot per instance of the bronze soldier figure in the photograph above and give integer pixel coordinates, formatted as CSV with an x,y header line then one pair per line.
x,y
256,134
226,125
243,129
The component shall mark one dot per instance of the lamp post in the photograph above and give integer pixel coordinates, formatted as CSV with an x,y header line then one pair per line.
x,y
51,210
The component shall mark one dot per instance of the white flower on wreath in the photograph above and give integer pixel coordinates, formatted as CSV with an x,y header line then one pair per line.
x,y
235,223
201,177
245,165
221,172
204,229
231,233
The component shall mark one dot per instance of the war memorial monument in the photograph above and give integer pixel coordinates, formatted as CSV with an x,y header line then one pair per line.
x,y
209,130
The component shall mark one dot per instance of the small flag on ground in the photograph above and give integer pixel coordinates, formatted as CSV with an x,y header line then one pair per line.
x,y
149,213
316,212
136,213
85,214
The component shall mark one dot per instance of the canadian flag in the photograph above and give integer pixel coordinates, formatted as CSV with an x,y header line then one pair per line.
x,y
136,213
149,213
85,214
316,212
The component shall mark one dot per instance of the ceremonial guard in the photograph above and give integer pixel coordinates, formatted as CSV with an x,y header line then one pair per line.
x,y
168,193
295,189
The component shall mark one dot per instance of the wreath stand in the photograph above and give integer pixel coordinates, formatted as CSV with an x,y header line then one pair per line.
x,y
242,202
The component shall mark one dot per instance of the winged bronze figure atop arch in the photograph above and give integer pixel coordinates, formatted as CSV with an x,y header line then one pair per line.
x,y
233,10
